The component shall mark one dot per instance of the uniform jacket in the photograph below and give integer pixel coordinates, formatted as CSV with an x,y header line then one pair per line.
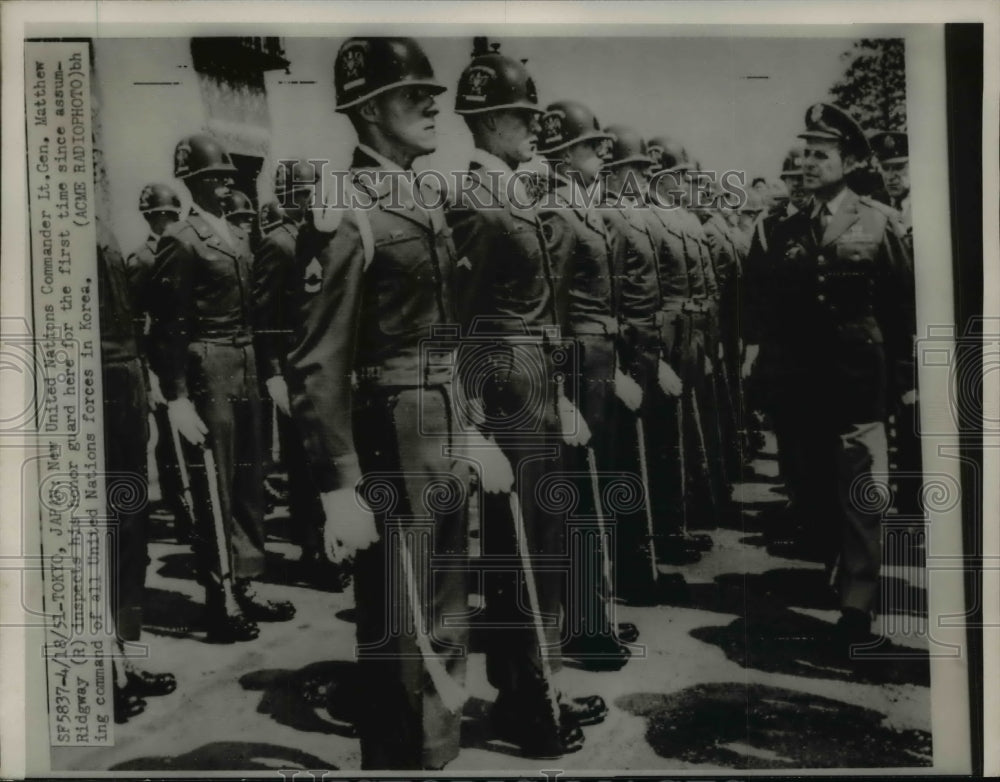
x,y
581,256
633,250
504,274
139,270
844,298
365,318
272,281
199,292
676,265
117,316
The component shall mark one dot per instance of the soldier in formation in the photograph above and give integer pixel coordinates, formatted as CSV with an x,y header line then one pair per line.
x,y
527,336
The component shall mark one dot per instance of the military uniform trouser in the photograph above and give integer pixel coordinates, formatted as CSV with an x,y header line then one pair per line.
x,y
419,498
702,459
588,607
633,571
836,491
126,432
664,422
304,507
222,384
518,397
166,467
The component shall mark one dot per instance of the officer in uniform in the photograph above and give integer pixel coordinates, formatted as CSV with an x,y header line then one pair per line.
x,y
160,207
578,241
646,346
201,348
892,151
841,328
275,279
785,525
125,435
377,281
507,309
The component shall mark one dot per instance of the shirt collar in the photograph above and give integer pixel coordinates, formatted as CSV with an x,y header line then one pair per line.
x,y
379,158
832,205
218,224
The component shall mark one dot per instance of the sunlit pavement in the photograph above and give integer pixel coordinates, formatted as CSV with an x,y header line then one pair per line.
x,y
739,676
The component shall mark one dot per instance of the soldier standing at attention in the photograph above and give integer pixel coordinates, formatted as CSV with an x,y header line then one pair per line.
x,y
377,281
125,436
160,207
201,348
507,306
574,146
842,329
275,280
637,244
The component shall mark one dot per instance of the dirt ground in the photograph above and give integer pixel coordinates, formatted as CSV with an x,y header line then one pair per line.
x,y
736,677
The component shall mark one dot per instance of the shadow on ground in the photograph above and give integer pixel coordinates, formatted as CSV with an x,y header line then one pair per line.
x,y
229,756
734,725
283,697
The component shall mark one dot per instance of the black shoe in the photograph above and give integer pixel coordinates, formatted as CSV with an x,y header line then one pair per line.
x,y
316,570
144,683
588,710
628,633
679,549
127,704
229,628
532,729
597,653
259,609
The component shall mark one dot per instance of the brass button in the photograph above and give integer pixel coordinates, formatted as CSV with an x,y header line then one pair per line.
x,y
820,258
856,257
821,297
822,278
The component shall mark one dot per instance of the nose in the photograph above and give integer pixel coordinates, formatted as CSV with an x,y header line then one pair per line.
x,y
432,109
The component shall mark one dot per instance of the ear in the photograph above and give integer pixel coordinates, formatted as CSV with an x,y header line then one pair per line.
x,y
369,111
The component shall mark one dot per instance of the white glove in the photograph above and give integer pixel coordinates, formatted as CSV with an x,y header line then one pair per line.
x,y
910,397
722,352
574,429
185,419
156,398
277,389
670,383
708,364
627,390
749,360
350,524
495,473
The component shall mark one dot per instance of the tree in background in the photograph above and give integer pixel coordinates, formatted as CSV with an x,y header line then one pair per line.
x,y
873,88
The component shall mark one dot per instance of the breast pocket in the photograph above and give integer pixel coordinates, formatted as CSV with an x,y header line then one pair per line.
x,y
405,280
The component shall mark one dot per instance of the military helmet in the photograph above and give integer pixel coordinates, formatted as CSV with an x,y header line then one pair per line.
x,y
568,122
494,81
299,175
236,204
200,154
668,154
270,217
158,198
792,164
627,146
366,67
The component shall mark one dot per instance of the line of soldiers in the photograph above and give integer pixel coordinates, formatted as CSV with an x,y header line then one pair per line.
x,y
574,341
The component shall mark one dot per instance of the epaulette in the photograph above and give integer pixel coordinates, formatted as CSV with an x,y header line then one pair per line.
x,y
878,206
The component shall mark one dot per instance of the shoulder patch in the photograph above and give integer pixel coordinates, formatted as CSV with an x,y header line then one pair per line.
x,y
327,219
